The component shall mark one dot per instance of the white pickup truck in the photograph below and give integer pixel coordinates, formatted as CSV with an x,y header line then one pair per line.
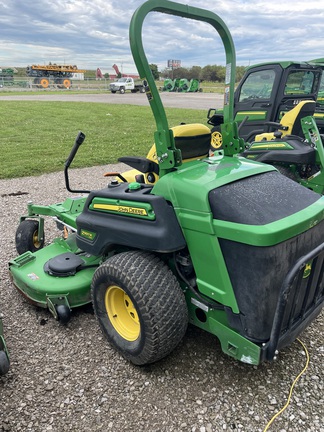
x,y
126,83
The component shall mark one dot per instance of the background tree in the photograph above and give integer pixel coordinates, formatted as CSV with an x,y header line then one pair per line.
x,y
155,71
208,73
194,73
239,73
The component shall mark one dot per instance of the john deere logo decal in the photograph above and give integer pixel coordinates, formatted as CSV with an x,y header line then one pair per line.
x,y
307,270
269,146
122,209
87,234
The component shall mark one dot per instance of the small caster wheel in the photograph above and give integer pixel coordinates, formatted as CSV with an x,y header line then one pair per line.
x,y
27,237
63,313
4,363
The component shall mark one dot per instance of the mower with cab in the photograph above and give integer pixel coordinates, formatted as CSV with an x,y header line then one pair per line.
x,y
265,93
224,243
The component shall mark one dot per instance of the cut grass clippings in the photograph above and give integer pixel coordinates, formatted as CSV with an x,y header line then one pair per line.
x,y
37,137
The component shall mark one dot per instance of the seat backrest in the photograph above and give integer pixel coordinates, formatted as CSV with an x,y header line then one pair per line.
x,y
193,140
291,121
292,118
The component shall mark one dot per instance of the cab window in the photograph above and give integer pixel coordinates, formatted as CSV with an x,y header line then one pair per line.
x,y
258,85
300,82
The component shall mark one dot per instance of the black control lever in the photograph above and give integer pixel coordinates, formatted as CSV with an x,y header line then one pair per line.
x,y
78,141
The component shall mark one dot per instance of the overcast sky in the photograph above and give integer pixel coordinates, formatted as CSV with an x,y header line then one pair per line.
x,y
94,33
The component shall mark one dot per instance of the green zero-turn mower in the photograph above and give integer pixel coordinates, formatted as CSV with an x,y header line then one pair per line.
x,y
4,355
225,243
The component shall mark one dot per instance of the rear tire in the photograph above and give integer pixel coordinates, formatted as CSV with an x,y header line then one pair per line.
x,y
4,363
27,236
140,306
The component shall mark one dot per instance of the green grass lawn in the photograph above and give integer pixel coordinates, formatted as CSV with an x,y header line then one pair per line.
x,y
36,137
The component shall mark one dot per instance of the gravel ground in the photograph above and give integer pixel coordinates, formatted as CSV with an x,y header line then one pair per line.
x,y
70,379
175,100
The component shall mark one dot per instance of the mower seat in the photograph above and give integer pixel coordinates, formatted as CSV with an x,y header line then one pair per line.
x,y
290,123
192,139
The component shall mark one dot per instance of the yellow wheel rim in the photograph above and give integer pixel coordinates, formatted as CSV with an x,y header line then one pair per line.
x,y
36,242
66,83
44,82
122,313
216,140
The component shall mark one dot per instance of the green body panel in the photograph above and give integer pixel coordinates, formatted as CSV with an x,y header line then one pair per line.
x,y
215,322
188,186
252,115
255,115
66,212
316,183
284,64
211,273
312,136
28,274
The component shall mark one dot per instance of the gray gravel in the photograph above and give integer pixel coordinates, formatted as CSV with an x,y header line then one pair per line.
x,y
202,101
70,379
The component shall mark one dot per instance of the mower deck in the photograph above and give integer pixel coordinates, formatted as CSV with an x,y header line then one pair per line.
x,y
58,274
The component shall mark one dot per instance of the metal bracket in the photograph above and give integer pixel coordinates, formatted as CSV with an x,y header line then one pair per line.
x,y
53,301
